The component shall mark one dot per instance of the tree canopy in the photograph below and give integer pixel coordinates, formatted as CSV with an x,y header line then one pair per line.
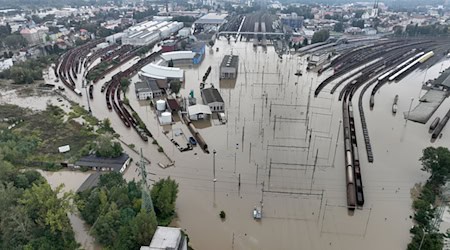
x,y
435,161
115,210
320,36
107,147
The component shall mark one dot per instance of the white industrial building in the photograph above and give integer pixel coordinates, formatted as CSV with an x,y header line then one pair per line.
x,y
150,32
167,238
154,71
199,112
179,57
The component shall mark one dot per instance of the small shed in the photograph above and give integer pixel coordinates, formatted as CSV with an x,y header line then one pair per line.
x,y
199,112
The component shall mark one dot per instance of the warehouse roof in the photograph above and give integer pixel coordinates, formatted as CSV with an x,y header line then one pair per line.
x,y
166,238
230,61
90,182
177,55
103,162
161,72
211,95
212,18
443,79
199,109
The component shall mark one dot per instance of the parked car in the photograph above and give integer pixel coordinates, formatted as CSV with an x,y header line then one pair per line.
x,y
192,141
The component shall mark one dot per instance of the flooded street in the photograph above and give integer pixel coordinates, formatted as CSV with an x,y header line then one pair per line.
x,y
286,148
72,181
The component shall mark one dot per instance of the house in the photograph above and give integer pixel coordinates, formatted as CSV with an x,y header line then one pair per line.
x,y
147,89
199,112
167,238
213,99
229,67
93,162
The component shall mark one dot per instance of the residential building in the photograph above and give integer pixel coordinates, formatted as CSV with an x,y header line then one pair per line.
x,y
35,35
229,67
167,238
213,99
148,89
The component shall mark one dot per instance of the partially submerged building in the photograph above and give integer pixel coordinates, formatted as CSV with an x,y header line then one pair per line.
x,y
154,71
199,112
93,162
167,238
213,99
229,67
147,89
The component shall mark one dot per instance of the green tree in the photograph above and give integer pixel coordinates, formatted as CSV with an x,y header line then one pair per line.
x,y
339,27
143,227
111,180
358,23
107,226
164,194
124,83
46,209
106,147
175,86
320,36
305,41
15,41
437,162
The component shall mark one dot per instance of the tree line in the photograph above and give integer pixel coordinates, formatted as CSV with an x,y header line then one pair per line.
x,y
435,161
116,213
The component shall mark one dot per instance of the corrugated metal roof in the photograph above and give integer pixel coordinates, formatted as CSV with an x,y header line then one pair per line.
x,y
161,72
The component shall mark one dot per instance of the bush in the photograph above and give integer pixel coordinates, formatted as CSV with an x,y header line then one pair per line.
x,y
222,215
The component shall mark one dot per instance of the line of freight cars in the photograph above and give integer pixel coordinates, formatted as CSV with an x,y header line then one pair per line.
x,y
113,94
355,194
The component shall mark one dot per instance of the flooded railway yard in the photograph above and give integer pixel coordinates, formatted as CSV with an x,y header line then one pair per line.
x,y
282,147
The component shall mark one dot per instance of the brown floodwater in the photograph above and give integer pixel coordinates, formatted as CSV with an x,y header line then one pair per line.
x,y
272,137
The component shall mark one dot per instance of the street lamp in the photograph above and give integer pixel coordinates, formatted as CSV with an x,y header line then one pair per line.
x,y
214,165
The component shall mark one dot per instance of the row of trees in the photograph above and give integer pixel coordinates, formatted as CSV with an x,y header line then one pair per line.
x,y
27,72
115,211
435,161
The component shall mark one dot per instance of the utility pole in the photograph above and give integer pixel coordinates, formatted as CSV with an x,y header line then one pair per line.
x,y
214,165
409,110
147,202
314,170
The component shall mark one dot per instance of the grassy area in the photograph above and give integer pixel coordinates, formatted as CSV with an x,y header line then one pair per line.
x,y
39,135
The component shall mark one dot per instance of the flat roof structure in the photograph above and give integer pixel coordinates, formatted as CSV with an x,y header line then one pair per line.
x,y
199,109
230,61
103,162
161,72
443,79
166,238
212,18
90,182
211,95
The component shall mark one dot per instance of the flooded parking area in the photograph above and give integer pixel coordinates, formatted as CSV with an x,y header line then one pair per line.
x,y
282,148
